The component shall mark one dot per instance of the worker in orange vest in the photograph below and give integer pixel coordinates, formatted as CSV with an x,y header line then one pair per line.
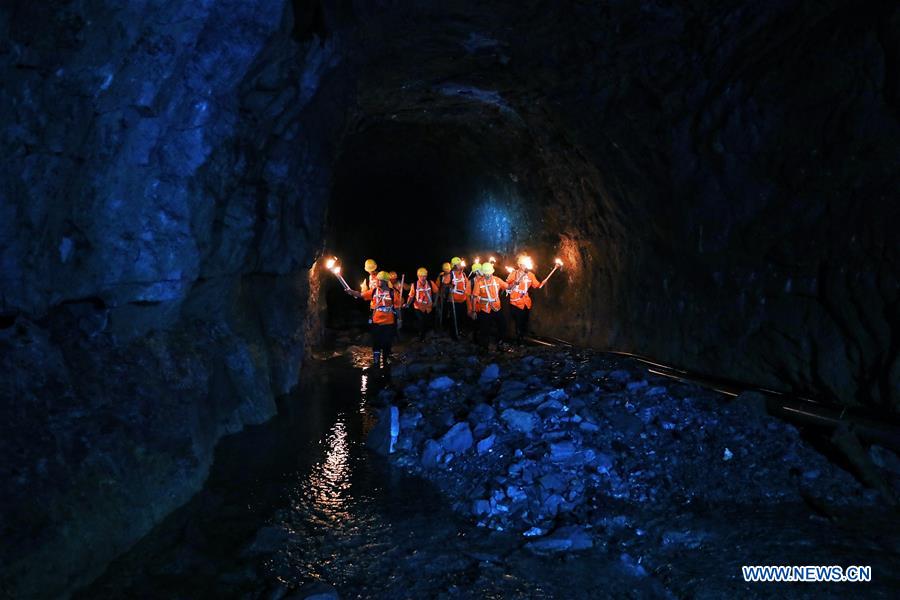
x,y
520,281
371,268
443,304
484,305
422,295
459,293
387,302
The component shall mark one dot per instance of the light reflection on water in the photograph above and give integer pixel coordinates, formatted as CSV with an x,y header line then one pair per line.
x,y
363,388
327,488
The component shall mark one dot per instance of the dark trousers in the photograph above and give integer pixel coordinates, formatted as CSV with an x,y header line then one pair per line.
x,y
382,338
423,322
488,322
520,318
461,317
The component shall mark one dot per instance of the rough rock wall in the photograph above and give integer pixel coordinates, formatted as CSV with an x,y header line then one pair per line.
x,y
722,176
751,151
163,194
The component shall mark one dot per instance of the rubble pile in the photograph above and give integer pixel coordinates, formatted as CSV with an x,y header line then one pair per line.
x,y
573,448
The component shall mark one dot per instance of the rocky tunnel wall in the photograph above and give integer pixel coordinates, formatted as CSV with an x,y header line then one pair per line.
x,y
164,185
720,178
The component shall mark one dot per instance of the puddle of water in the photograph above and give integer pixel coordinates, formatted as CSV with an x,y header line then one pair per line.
x,y
330,511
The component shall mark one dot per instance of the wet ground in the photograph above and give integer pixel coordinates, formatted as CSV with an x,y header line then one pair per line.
x,y
300,505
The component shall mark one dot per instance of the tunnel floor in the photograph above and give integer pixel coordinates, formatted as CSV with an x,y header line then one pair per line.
x,y
299,505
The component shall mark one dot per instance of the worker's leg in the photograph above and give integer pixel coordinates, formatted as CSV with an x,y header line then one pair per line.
x,y
389,333
421,323
500,320
376,345
519,322
483,327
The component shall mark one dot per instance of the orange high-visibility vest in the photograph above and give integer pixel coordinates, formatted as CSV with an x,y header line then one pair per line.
x,y
422,295
518,292
485,295
459,283
384,302
373,284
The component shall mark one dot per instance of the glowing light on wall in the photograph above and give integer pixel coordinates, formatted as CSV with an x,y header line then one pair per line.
x,y
494,224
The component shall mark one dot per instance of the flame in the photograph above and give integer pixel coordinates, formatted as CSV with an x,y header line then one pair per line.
x,y
336,270
362,284
329,264
492,260
509,269
528,263
558,262
462,263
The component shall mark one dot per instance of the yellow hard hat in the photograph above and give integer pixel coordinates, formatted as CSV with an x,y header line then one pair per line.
x,y
476,267
384,276
487,269
422,272
393,275
445,267
371,265
455,260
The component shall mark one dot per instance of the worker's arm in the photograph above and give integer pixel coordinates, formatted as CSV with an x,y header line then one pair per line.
x,y
503,285
535,282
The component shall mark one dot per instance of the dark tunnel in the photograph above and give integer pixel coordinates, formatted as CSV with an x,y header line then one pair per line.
x,y
415,195
191,405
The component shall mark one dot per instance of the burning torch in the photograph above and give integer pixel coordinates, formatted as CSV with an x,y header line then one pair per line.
x,y
559,263
331,265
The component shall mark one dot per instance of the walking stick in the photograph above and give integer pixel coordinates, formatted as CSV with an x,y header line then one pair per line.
x,y
455,326
400,316
440,305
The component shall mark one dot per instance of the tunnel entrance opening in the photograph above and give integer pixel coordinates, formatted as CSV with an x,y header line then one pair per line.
x,y
413,195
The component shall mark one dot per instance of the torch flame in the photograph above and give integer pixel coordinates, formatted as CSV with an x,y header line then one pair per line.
x,y
462,263
528,263
509,269
329,264
558,262
336,270
492,260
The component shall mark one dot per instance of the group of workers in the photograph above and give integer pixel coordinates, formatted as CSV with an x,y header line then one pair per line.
x,y
446,299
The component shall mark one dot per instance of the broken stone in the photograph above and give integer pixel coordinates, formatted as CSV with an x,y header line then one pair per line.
x,y
486,444
518,420
481,413
490,374
384,435
562,451
431,453
458,439
568,538
440,384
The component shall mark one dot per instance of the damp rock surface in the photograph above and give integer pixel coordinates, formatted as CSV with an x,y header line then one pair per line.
x,y
596,452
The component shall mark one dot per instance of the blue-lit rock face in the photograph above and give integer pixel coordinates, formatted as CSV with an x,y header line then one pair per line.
x,y
165,175
498,225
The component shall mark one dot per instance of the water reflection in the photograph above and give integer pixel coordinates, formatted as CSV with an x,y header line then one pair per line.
x,y
327,488
363,388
